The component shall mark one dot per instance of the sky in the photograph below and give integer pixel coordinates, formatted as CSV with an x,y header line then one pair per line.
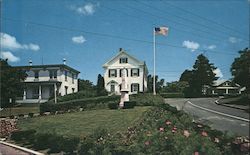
x,y
90,32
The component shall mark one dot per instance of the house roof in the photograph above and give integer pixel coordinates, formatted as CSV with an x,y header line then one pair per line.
x,y
220,82
120,53
50,65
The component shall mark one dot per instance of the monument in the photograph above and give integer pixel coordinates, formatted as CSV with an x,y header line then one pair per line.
x,y
124,89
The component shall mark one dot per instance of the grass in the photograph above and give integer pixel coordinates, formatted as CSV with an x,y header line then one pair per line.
x,y
81,124
19,110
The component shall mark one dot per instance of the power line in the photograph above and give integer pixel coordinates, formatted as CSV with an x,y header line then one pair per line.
x,y
177,22
201,17
186,19
104,35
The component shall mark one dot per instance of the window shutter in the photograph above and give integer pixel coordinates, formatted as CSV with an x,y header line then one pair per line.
x,y
120,60
126,60
138,70
131,71
138,86
115,73
131,87
120,72
109,72
127,72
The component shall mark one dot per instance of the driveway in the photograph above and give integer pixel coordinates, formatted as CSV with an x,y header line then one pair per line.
x,y
215,120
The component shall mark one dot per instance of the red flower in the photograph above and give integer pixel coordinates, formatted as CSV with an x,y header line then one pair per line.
x,y
174,129
168,122
204,133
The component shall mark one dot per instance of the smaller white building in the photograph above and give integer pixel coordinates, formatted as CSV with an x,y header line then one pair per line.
x,y
46,81
136,72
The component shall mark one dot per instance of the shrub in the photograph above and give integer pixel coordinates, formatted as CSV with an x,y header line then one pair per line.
x,y
87,103
70,144
31,114
113,105
21,115
23,135
129,104
172,95
12,117
147,99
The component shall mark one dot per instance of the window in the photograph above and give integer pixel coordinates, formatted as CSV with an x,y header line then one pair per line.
x,y
134,87
123,60
73,90
126,72
36,74
53,74
73,77
66,90
135,72
112,73
112,88
66,75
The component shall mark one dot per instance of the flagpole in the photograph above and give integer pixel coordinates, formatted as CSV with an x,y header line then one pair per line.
x,y
154,92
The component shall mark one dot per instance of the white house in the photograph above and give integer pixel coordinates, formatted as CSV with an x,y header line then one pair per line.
x,y
223,87
136,73
44,80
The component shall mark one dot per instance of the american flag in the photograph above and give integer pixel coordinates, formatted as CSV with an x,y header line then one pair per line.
x,y
161,30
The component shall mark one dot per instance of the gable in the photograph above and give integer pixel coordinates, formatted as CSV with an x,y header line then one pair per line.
x,y
116,60
228,84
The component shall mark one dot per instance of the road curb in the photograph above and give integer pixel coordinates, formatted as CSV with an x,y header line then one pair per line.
x,y
21,148
220,113
227,105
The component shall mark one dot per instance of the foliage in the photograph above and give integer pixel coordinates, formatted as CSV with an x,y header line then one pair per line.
x,y
150,81
113,105
100,90
175,87
172,95
11,82
85,85
146,99
129,104
78,95
240,69
86,103
201,74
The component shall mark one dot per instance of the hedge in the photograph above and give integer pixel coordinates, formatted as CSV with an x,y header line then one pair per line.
x,y
147,99
129,104
172,95
87,103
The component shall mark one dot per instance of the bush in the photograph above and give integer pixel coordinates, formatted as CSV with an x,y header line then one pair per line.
x,y
129,104
31,114
87,103
147,99
27,135
172,95
70,144
113,105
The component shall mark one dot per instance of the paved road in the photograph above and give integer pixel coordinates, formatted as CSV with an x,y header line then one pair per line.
x,y
216,121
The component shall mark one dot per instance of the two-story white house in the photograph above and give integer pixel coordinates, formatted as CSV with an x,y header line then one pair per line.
x,y
45,81
136,72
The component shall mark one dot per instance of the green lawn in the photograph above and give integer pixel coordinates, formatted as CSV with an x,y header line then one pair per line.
x,y
83,123
19,110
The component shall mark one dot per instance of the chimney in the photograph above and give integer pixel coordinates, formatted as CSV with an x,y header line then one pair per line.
x,y
30,62
64,61
120,49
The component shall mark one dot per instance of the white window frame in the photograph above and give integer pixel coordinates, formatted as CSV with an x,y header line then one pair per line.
x,y
123,60
135,72
135,85
113,72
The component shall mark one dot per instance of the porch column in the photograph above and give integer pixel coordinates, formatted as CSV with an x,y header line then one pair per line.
x,y
226,91
55,90
40,92
24,94
213,92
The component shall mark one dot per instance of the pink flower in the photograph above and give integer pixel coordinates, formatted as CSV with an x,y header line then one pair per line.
x,y
174,129
204,133
168,122
186,133
147,143
161,129
196,153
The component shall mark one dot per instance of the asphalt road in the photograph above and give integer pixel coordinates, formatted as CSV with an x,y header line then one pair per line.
x,y
216,121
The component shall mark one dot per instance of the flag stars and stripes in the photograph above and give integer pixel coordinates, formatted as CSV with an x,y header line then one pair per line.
x,y
161,30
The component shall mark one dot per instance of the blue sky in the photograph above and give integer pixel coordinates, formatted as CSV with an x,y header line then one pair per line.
x,y
88,33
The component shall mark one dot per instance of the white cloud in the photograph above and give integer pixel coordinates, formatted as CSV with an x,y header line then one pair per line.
x,y
8,55
191,45
87,9
218,73
211,47
233,40
10,42
78,39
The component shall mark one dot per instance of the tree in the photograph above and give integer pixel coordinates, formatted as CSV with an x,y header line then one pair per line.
x,y
100,90
201,74
175,87
85,85
240,69
159,84
11,82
